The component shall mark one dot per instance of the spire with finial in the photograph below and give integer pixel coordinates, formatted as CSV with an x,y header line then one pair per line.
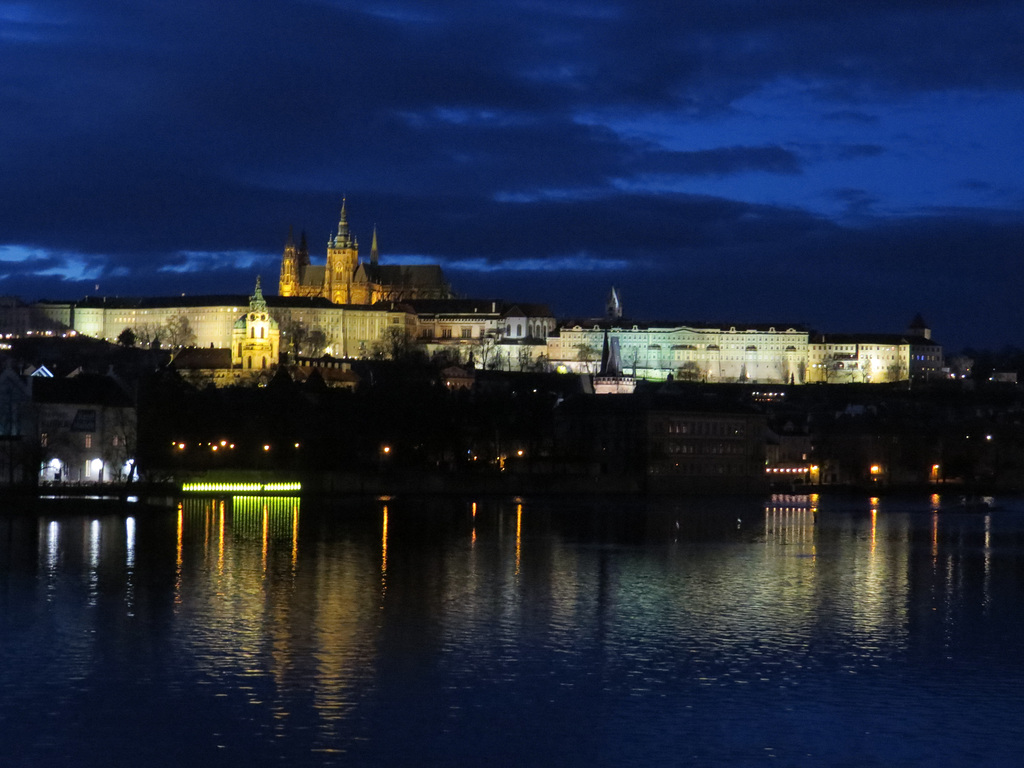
x,y
374,255
344,238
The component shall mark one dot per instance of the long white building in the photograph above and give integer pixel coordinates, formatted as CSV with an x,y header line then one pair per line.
x,y
345,331
687,352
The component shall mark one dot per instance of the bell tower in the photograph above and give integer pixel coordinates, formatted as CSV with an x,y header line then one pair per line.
x,y
342,260
288,284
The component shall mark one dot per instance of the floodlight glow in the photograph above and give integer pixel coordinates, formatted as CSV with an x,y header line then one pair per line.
x,y
240,487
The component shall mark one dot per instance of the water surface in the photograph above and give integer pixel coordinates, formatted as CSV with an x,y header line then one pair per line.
x,y
791,630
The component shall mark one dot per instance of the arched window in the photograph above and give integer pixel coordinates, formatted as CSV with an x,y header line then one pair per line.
x,y
264,363
249,361
261,332
519,329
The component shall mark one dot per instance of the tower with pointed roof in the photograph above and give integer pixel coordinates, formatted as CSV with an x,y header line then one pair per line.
x,y
289,268
613,307
342,260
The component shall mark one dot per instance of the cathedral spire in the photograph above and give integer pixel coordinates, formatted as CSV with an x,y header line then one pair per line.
x,y
374,255
344,238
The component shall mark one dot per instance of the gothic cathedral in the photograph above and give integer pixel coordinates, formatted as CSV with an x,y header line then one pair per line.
x,y
344,279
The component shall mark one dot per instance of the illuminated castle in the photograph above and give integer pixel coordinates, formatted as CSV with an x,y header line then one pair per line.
x,y
344,279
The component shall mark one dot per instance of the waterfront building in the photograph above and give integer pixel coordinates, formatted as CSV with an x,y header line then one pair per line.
x,y
85,428
664,441
344,279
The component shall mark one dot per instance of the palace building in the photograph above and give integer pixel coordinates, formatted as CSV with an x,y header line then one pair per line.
x,y
344,279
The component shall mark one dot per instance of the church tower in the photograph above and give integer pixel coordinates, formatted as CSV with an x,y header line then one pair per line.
x,y
288,285
613,307
256,336
342,260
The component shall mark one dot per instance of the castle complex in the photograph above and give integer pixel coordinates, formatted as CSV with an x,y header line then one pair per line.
x,y
350,309
344,279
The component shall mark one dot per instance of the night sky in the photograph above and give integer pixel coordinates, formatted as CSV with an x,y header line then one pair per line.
x,y
842,165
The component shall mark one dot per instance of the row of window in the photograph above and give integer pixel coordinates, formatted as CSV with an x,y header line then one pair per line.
x,y
704,448
44,439
697,469
706,428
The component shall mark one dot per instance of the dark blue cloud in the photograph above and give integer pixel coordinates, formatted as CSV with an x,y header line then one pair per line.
x,y
168,147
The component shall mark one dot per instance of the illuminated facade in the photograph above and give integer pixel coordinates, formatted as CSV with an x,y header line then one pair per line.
x,y
86,428
256,337
497,334
344,331
344,279
872,358
755,354
688,353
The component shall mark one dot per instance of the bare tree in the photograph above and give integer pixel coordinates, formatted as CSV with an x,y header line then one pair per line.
x,y
524,357
634,359
689,371
487,349
295,334
146,334
316,342
586,353
122,434
394,344
178,331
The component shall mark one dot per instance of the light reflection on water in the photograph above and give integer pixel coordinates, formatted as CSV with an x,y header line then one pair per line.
x,y
806,629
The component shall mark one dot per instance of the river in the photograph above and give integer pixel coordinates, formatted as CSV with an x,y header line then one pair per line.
x,y
241,631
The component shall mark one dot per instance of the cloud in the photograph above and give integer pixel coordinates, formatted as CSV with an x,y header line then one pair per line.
x,y
169,147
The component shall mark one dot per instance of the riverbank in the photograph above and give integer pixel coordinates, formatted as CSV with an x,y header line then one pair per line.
x,y
350,484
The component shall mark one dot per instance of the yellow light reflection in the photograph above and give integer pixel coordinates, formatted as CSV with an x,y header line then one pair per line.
x,y
266,535
178,558
181,526
220,539
519,531
295,536
874,526
384,554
